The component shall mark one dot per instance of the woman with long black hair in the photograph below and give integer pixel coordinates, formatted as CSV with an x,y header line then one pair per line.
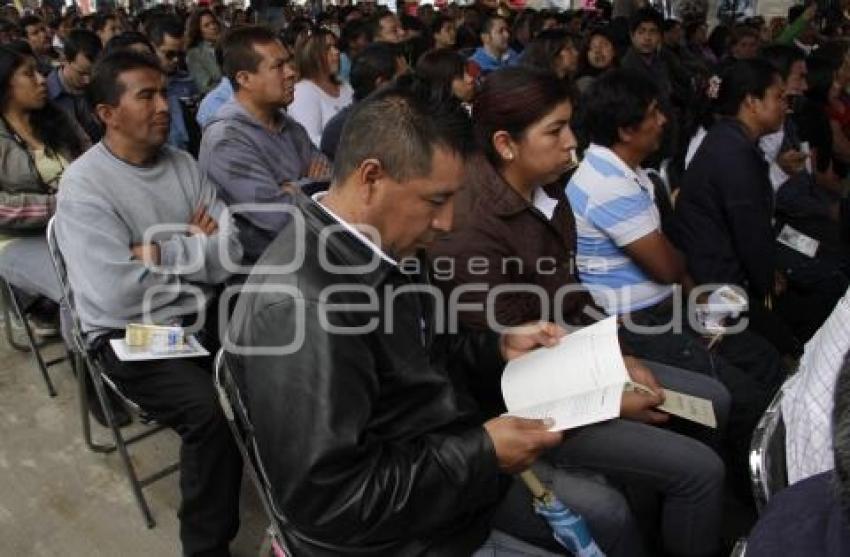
x,y
37,142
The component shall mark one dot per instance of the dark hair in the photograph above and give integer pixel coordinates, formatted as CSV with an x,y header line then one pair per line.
x,y
617,100
542,51
51,124
238,52
742,79
350,32
160,26
782,57
841,436
439,21
295,30
193,26
401,125
81,41
794,12
512,100
125,40
741,32
440,67
489,22
718,40
106,86
100,19
646,15
691,29
311,56
28,20
670,24
820,78
377,61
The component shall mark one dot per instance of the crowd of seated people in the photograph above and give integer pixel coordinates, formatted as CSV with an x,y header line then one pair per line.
x,y
583,165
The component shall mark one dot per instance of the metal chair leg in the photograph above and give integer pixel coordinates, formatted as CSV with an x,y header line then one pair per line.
x,y
85,418
129,469
12,300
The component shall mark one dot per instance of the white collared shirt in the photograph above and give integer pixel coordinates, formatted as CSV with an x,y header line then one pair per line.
x,y
809,397
357,234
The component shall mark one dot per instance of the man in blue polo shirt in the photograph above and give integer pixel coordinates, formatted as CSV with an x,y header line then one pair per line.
x,y
495,52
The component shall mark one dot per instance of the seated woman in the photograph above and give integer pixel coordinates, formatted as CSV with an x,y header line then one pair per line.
x,y
554,50
319,93
522,123
598,56
37,142
202,32
446,70
725,209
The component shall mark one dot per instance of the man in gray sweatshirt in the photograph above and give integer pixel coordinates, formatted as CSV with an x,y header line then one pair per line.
x,y
144,239
251,150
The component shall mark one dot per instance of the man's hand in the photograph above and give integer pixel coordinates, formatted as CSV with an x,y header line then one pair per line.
x,y
792,161
639,405
146,253
519,441
202,223
517,341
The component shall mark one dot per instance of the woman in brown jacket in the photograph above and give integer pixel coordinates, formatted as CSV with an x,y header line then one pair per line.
x,y
511,231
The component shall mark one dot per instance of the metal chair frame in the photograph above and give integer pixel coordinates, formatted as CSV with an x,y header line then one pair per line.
x,y
763,462
85,363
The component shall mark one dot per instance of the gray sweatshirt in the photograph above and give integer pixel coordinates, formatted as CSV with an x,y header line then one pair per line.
x,y
248,163
106,205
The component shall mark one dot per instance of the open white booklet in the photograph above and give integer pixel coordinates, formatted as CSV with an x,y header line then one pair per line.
x,y
581,380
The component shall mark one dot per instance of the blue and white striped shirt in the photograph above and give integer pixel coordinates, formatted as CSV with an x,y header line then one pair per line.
x,y
613,207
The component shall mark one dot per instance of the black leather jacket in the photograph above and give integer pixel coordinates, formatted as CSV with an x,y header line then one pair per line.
x,y
362,435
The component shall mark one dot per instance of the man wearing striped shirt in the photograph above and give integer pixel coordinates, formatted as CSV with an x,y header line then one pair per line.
x,y
632,269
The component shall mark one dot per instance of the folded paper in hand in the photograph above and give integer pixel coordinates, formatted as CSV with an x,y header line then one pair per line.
x,y
581,380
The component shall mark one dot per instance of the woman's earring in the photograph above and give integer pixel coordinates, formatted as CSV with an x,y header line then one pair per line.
x,y
509,155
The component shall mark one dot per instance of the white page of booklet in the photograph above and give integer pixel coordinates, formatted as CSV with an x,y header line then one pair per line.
x,y
577,382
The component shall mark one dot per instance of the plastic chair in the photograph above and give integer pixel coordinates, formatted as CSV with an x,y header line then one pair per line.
x,y
86,363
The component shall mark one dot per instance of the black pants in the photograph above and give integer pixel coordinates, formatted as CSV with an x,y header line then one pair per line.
x,y
180,393
747,365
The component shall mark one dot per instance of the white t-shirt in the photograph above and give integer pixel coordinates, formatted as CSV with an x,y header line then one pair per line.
x,y
313,108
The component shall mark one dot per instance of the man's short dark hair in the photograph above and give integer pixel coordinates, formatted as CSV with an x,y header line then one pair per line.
x,y
28,20
106,86
82,41
401,125
238,52
670,24
782,57
377,61
125,40
646,15
617,100
161,26
489,22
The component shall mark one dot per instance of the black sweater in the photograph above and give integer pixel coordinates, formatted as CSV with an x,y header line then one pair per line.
x,y
724,211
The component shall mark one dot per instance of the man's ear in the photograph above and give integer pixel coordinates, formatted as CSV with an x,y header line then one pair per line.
x,y
625,135
242,78
369,174
104,113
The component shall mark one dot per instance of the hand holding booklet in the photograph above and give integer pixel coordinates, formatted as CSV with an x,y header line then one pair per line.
x,y
581,381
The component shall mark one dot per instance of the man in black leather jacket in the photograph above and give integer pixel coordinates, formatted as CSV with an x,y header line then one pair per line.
x,y
364,439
